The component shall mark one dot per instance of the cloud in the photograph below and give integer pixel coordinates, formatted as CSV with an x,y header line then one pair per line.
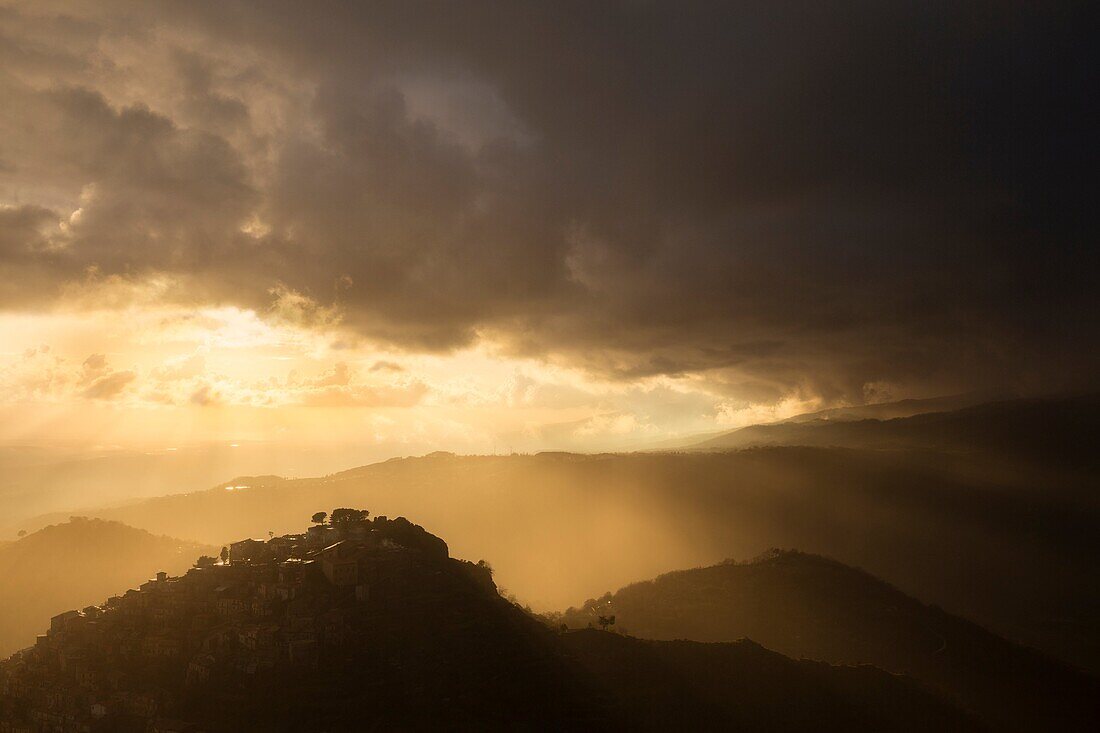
x,y
180,368
386,366
784,201
36,373
98,381
40,374
205,396
110,386
339,376
93,368
407,395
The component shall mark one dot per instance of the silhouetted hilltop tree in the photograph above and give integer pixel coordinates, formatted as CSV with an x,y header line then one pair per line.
x,y
403,532
348,515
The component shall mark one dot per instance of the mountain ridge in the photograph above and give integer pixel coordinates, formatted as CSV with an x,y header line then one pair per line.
x,y
1017,429
875,410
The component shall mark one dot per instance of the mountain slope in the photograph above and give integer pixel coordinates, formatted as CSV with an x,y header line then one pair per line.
x,y
809,606
874,411
370,625
76,563
899,408
1048,431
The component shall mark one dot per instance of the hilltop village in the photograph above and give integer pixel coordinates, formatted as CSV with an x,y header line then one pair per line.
x,y
267,611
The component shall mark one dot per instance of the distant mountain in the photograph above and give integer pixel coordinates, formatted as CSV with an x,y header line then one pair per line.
x,y
807,606
899,408
50,477
38,479
873,411
370,625
74,564
1048,431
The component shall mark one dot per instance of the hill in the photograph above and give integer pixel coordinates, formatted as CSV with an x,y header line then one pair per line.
x,y
75,564
806,606
683,685
370,624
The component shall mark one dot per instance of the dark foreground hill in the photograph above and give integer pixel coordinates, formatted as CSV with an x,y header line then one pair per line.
x,y
807,606
370,625
74,564
684,685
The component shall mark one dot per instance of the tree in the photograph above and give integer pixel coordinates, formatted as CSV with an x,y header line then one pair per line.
x,y
204,561
606,621
22,533
320,517
224,554
348,515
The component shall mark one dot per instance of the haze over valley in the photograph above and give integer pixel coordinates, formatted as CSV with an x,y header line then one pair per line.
x,y
1015,501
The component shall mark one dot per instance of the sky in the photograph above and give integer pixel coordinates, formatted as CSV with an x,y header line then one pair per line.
x,y
501,226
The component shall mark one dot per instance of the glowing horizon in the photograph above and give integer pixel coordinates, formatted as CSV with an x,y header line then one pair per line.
x,y
228,375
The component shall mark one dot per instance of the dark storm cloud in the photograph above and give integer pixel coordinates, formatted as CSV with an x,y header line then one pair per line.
x,y
784,196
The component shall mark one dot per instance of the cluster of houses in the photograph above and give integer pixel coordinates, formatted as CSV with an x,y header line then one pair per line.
x,y
268,606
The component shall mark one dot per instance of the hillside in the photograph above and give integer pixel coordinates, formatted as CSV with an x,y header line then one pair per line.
x,y
683,685
74,564
806,606
369,624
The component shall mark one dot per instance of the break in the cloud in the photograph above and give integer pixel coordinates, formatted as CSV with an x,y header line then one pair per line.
x,y
40,375
220,374
770,202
